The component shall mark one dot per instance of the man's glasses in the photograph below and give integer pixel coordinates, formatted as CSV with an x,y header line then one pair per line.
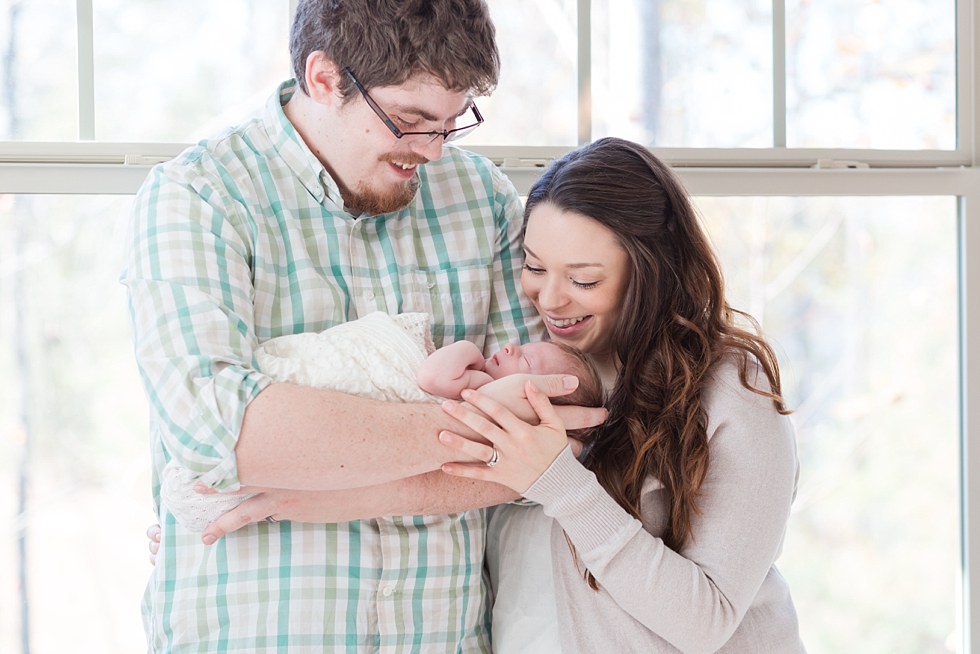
x,y
448,135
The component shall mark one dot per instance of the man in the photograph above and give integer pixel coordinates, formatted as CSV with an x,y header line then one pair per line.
x,y
339,201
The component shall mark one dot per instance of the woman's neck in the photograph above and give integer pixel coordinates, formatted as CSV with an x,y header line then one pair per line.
x,y
608,368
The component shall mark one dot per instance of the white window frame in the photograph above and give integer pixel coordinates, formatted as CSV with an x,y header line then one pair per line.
x,y
88,167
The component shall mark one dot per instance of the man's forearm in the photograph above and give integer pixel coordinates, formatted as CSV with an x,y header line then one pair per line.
x,y
433,493
302,438
436,493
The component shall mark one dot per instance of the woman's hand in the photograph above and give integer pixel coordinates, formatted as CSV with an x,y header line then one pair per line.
x,y
525,451
509,392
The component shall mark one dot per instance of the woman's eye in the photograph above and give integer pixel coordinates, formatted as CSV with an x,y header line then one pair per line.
x,y
532,270
585,284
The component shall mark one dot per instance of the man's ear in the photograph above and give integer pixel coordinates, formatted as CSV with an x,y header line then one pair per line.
x,y
323,78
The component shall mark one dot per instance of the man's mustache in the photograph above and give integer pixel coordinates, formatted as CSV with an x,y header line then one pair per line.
x,y
408,158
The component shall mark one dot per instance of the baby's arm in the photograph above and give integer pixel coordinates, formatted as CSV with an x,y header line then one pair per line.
x,y
451,369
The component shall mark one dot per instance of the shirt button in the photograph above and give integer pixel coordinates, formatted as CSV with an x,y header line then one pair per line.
x,y
387,591
369,295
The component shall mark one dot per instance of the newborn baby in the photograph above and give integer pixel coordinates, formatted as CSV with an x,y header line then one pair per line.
x,y
387,358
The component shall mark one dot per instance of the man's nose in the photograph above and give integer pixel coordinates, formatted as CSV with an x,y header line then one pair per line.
x,y
431,150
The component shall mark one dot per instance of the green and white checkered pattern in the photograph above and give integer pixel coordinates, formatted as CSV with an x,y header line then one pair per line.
x,y
241,239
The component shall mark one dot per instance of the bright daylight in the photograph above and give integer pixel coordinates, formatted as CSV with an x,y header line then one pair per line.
x,y
305,331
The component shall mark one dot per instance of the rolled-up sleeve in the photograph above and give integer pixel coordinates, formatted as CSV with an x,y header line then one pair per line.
x,y
189,280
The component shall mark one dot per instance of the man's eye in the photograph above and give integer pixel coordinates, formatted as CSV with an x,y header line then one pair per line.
x,y
404,123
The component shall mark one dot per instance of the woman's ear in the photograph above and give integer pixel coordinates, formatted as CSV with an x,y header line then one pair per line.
x,y
323,78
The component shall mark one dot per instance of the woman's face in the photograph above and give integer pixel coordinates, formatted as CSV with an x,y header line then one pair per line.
x,y
576,274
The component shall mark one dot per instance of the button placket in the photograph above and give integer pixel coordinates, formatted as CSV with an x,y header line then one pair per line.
x,y
390,540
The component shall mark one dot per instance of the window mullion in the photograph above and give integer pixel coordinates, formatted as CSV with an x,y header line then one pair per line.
x,y
86,70
584,71
969,81
969,613
779,73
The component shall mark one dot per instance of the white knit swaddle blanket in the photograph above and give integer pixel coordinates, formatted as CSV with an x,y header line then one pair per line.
x,y
377,356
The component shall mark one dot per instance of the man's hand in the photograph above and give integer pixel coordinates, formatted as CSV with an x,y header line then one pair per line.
x,y
299,506
153,533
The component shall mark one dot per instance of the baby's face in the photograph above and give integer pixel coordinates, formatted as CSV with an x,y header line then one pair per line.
x,y
540,358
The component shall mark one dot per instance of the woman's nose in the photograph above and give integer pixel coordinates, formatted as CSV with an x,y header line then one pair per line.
x,y
550,297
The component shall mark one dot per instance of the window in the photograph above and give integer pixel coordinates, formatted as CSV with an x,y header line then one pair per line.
x,y
864,278
859,297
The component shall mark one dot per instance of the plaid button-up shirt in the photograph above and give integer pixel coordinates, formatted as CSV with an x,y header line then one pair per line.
x,y
244,238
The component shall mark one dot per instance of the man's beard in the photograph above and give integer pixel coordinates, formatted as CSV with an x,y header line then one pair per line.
x,y
373,202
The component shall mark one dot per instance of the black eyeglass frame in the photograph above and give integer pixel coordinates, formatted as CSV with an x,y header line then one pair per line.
x,y
447,135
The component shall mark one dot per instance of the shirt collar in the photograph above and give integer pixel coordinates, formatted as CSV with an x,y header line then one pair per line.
x,y
293,149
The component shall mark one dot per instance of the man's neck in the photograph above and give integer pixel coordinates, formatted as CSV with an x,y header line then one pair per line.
x,y
304,115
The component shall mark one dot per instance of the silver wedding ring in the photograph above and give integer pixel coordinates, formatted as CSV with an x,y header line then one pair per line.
x,y
269,518
494,459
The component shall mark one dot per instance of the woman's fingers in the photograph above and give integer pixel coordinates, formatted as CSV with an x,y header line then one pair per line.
x,y
502,419
543,407
478,471
254,509
478,451
473,419
581,417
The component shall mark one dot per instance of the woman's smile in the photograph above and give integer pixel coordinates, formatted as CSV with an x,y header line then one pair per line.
x,y
567,327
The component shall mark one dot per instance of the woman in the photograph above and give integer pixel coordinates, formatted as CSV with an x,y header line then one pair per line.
x,y
663,538
665,534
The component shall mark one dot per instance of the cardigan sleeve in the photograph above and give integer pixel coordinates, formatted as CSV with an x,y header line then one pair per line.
x,y
695,598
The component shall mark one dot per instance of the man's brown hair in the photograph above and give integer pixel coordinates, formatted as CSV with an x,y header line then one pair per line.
x,y
385,42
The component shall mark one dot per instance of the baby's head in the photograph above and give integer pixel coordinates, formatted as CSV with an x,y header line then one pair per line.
x,y
546,358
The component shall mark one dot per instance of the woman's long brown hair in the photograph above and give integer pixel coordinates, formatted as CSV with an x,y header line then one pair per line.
x,y
675,324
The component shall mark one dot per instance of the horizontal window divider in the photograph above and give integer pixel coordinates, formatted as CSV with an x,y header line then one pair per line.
x,y
524,156
119,179
764,181
958,181
748,157
16,152
71,179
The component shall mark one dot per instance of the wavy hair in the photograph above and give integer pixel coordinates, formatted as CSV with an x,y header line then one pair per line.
x,y
674,325
385,42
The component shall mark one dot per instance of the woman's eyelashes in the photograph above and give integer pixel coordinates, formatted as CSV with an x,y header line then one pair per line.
x,y
535,271
539,271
